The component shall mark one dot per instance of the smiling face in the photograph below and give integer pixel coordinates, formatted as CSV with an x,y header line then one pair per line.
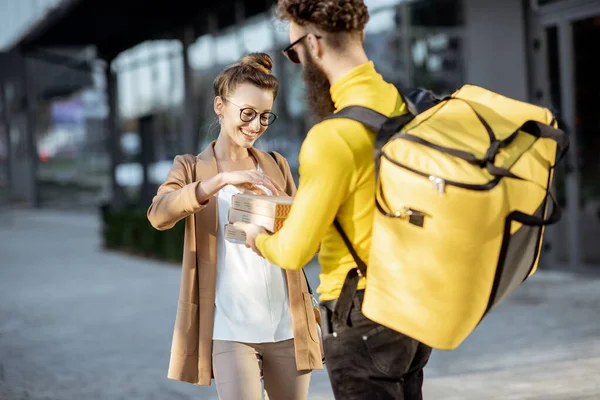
x,y
233,127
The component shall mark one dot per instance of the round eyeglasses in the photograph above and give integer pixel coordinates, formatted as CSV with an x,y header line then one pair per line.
x,y
248,114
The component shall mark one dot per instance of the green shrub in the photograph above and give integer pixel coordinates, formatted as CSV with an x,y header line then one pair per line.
x,y
130,231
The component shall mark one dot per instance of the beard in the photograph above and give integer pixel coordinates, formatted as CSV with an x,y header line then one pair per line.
x,y
317,89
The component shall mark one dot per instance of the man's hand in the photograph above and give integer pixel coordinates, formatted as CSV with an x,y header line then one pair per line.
x,y
252,231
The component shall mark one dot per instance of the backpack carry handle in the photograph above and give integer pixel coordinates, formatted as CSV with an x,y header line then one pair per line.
x,y
532,220
541,130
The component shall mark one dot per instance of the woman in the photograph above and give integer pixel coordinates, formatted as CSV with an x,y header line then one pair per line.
x,y
239,318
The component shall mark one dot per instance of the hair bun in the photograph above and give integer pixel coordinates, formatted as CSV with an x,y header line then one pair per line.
x,y
259,61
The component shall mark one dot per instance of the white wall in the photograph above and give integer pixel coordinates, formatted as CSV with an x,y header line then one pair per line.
x,y
495,51
17,16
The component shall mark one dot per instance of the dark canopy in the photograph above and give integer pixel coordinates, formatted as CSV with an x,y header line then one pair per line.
x,y
116,25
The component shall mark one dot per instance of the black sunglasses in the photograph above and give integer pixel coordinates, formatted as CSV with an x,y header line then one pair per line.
x,y
292,54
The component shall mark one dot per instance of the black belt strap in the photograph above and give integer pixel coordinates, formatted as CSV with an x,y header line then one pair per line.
x,y
343,305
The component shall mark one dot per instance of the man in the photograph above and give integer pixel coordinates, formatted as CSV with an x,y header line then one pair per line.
x,y
365,360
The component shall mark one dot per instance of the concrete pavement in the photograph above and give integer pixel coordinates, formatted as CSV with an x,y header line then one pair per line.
x,y
79,323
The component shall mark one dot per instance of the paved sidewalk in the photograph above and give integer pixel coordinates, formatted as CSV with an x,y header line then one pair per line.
x,y
78,323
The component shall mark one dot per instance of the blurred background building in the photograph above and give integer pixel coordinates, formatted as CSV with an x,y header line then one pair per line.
x,y
97,97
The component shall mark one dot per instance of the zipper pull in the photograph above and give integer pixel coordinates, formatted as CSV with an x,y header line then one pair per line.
x,y
438,184
414,217
403,212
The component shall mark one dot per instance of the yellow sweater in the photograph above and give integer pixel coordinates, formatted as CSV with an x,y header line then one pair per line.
x,y
337,179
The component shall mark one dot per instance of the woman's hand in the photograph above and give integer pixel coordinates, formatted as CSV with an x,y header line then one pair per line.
x,y
251,180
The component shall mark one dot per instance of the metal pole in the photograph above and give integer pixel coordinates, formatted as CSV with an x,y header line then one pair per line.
x,y
213,30
31,135
4,106
539,93
407,44
189,140
240,16
173,108
113,142
147,126
572,180
279,66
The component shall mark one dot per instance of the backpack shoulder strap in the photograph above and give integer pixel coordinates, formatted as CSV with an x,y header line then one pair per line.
x,y
384,127
374,121
360,264
366,116
417,101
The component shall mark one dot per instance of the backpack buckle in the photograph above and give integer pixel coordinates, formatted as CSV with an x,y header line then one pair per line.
x,y
492,151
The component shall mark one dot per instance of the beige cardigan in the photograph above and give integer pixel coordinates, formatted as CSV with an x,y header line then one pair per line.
x,y
191,349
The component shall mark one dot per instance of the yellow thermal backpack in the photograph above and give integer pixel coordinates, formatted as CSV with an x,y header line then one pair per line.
x,y
462,197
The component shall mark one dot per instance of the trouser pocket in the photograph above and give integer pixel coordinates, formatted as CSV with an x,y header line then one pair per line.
x,y
390,351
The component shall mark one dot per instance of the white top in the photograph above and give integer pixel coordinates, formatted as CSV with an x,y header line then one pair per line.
x,y
251,303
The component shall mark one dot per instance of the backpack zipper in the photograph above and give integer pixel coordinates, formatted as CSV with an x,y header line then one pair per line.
x,y
439,184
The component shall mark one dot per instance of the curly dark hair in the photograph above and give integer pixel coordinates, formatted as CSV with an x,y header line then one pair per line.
x,y
332,16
